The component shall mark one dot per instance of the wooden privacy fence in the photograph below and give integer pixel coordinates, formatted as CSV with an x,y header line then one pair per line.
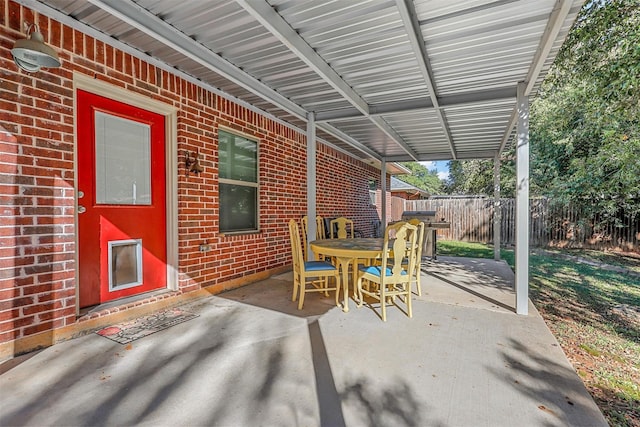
x,y
551,224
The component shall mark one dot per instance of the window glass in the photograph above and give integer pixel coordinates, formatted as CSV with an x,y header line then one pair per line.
x,y
238,158
238,183
123,161
238,206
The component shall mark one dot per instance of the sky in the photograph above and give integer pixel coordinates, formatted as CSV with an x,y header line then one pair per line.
x,y
440,167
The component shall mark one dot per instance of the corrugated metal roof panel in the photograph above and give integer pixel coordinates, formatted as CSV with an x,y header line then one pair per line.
x,y
344,59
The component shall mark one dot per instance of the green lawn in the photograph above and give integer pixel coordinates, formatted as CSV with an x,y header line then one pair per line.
x,y
593,312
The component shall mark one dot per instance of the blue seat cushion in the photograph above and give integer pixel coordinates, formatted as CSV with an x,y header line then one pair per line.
x,y
374,270
318,266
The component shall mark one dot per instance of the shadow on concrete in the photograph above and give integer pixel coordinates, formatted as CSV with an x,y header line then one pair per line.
x,y
275,294
328,397
251,358
555,386
488,280
473,292
201,372
380,407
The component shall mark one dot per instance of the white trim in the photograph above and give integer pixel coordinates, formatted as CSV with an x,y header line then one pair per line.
x,y
170,113
102,88
139,264
238,182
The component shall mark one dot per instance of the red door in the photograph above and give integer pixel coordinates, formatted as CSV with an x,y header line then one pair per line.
x,y
121,200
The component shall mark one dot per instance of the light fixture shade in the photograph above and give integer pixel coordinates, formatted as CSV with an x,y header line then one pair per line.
x,y
32,53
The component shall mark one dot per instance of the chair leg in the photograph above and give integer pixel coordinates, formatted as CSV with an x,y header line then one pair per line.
x,y
383,302
418,285
301,302
359,289
408,297
295,289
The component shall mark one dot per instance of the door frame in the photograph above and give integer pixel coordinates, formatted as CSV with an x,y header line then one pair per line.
x,y
170,113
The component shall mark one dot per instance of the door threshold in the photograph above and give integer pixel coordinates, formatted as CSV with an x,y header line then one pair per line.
x,y
86,311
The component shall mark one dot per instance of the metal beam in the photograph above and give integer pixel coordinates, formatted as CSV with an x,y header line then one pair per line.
x,y
84,28
71,22
155,27
383,193
467,11
264,13
556,20
416,105
349,140
522,204
467,155
414,33
391,133
509,130
311,184
497,208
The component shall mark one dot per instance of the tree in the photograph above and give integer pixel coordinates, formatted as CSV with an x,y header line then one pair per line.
x,y
470,177
585,123
422,178
476,176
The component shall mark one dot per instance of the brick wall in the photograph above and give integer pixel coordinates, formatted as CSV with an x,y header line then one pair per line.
x,y
37,227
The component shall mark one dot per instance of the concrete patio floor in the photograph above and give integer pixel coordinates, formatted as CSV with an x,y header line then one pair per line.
x,y
251,358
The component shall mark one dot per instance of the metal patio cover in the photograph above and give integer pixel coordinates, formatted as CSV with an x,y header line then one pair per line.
x,y
404,80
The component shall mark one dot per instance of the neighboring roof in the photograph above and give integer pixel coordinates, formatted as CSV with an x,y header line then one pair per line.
x,y
401,186
409,80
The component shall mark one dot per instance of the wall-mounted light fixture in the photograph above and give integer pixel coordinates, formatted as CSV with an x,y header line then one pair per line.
x,y
32,53
192,162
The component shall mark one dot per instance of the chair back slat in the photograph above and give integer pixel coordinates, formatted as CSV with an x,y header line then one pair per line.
x,y
320,230
342,228
296,247
402,237
305,245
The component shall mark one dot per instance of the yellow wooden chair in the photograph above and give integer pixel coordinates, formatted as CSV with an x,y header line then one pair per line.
x,y
319,234
305,243
310,273
391,279
320,230
417,271
341,228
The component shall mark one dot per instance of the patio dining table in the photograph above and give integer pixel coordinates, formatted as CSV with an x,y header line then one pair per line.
x,y
346,252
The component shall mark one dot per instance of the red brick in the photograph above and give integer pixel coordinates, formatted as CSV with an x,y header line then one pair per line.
x,y
42,127
16,323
